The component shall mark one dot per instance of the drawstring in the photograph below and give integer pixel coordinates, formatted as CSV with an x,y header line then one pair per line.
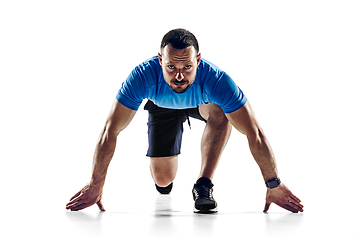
x,y
188,119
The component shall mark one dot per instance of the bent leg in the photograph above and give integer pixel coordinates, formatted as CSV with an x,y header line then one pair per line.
x,y
163,169
215,136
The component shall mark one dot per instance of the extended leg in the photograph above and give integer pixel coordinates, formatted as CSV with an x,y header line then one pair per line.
x,y
165,128
216,134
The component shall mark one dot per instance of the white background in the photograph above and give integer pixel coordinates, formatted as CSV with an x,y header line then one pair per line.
x,y
62,63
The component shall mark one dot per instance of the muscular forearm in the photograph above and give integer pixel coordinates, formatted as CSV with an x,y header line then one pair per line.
x,y
264,156
103,154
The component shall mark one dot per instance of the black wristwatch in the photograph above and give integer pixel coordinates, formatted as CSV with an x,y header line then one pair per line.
x,y
273,183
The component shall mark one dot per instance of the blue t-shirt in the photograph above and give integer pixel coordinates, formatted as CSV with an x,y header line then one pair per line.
x,y
210,85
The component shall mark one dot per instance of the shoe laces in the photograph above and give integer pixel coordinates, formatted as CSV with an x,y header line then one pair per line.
x,y
204,192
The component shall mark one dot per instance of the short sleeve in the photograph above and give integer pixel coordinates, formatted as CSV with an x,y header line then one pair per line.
x,y
134,90
227,94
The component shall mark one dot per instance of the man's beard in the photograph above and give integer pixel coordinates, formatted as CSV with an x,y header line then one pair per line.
x,y
179,90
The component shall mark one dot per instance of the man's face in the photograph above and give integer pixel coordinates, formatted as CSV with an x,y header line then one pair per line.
x,y
179,67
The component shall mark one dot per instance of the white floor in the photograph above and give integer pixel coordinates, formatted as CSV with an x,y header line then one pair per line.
x,y
165,217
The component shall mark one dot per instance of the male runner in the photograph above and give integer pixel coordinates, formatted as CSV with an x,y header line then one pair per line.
x,y
179,84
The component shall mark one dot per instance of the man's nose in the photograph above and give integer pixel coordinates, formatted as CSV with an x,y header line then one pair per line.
x,y
179,76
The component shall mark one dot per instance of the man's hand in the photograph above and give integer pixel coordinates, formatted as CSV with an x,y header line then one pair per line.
x,y
284,198
85,198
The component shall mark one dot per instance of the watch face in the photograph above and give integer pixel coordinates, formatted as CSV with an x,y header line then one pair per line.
x,y
273,183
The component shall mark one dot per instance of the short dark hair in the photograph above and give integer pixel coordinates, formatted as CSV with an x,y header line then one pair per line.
x,y
179,39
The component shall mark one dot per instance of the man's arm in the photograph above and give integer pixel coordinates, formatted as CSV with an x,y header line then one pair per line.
x,y
245,122
118,119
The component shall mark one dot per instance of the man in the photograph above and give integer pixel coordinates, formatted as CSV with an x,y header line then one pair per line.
x,y
179,84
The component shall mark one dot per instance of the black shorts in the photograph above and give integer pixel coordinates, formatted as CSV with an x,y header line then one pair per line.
x,y
165,128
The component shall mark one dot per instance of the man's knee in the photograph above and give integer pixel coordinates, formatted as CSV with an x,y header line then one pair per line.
x,y
163,170
215,115
163,181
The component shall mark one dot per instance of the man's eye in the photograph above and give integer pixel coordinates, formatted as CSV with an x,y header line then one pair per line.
x,y
188,67
171,67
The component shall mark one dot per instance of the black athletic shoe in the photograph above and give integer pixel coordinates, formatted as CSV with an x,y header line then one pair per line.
x,y
164,190
202,194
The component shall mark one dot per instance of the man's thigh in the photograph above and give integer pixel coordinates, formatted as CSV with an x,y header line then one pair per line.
x,y
165,128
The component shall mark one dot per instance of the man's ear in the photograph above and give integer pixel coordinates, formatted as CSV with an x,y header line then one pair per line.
x,y
160,59
198,59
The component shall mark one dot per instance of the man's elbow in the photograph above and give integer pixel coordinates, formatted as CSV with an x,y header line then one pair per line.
x,y
256,136
108,133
